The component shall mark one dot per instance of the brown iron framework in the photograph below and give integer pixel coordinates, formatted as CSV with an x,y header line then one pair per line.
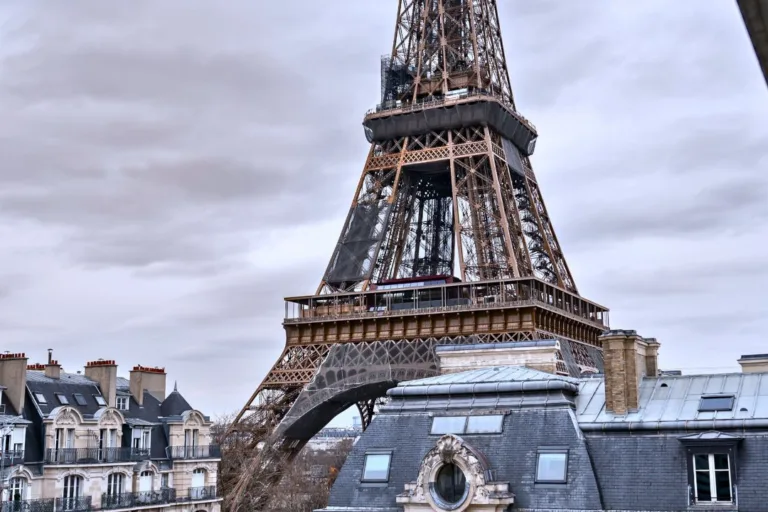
x,y
447,190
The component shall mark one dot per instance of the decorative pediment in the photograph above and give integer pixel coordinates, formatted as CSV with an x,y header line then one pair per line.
x,y
193,419
67,417
109,417
453,453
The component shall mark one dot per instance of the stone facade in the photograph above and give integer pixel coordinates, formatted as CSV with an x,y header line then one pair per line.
x,y
83,449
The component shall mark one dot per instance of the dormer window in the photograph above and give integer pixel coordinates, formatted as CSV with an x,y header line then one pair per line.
x,y
63,400
40,398
100,400
80,399
122,403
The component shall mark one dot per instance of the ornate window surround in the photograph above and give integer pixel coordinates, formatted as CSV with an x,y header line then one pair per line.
x,y
480,488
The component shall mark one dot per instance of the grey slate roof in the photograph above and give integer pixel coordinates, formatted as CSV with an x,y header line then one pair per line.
x,y
174,405
607,470
674,399
149,414
67,385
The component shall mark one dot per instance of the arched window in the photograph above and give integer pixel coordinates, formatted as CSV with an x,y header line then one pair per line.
x,y
17,489
197,487
115,484
73,489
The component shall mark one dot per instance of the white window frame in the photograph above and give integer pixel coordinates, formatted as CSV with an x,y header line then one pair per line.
x,y
115,484
122,403
374,453
18,484
712,480
73,487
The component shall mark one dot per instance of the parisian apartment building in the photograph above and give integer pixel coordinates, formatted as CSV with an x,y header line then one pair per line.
x,y
91,440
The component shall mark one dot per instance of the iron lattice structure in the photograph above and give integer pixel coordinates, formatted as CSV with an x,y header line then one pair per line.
x,y
447,241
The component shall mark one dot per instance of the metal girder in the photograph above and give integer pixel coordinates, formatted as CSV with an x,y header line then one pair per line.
x,y
447,189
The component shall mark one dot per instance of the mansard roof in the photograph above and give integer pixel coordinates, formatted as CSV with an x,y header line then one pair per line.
x,y
67,386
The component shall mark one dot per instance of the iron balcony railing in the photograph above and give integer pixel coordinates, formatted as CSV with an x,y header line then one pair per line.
x,y
210,451
137,499
202,493
12,457
94,455
79,504
42,505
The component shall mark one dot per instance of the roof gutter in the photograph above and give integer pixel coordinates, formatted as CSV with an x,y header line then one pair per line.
x,y
628,426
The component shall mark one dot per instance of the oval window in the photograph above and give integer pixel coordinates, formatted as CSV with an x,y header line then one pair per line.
x,y
450,484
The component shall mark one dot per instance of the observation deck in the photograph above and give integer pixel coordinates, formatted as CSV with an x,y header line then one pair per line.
x,y
395,119
419,310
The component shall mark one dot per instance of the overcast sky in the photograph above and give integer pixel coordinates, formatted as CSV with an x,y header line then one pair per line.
x,y
169,171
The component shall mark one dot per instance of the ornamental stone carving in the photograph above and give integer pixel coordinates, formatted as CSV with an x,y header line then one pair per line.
x,y
480,494
66,418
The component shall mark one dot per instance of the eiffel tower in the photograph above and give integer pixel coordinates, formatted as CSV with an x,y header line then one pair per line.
x,y
447,240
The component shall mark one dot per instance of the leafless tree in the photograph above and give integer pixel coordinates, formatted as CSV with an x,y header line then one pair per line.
x,y
273,483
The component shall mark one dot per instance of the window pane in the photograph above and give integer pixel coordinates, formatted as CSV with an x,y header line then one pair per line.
x,y
451,484
702,486
716,403
484,424
551,467
721,461
376,467
702,461
449,424
80,399
723,485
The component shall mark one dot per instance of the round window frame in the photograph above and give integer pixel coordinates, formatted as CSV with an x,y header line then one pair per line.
x,y
434,498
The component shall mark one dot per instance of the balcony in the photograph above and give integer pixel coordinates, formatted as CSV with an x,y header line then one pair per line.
x,y
42,505
11,457
137,499
211,451
202,493
94,455
79,504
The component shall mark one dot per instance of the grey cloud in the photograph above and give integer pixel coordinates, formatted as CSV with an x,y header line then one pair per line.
x,y
150,150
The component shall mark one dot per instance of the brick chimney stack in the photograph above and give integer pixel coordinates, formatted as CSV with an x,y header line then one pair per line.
x,y
152,380
104,372
627,359
52,367
13,375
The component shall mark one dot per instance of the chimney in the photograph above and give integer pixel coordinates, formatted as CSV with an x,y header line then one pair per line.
x,y
627,359
52,367
143,379
13,375
538,355
104,372
754,363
